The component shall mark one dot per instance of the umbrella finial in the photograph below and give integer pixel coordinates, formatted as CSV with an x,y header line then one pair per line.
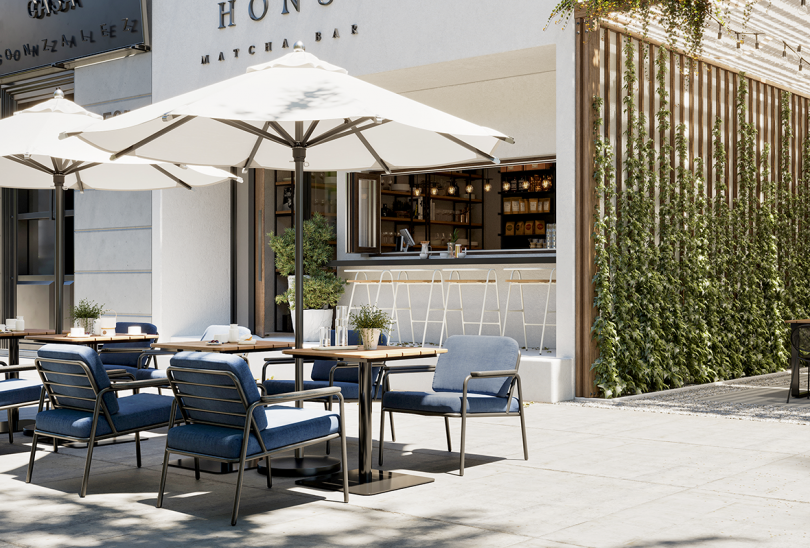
x,y
299,46
58,94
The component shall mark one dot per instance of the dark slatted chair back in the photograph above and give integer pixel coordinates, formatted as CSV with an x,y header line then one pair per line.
x,y
73,377
800,340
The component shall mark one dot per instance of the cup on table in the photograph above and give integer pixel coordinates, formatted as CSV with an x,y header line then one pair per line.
x,y
11,324
326,337
2,328
134,330
77,331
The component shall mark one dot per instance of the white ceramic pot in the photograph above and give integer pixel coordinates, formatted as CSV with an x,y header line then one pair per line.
x,y
371,338
313,321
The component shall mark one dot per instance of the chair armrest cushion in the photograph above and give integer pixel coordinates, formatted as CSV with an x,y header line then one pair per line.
x,y
315,393
488,374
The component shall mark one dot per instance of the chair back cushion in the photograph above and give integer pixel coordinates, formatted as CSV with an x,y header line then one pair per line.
x,y
800,340
468,353
214,331
222,389
121,358
78,386
321,368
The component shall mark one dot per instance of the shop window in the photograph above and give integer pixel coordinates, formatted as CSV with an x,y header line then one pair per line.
x,y
364,214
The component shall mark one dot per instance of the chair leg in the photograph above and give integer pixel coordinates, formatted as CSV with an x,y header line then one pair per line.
x,y
196,468
269,472
138,448
447,430
382,434
393,433
344,460
55,445
463,438
86,477
31,459
239,479
10,426
523,431
163,479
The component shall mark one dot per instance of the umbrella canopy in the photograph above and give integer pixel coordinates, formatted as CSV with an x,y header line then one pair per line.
x,y
33,157
329,120
250,121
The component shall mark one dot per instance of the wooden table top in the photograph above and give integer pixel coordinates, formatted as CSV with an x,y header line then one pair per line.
x,y
797,321
26,333
67,339
228,348
381,354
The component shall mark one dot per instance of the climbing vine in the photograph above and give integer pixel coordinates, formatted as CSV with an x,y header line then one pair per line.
x,y
693,286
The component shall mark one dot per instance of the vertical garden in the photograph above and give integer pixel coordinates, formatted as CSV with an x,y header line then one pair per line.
x,y
694,281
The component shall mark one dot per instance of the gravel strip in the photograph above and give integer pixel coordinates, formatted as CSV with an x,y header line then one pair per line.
x,y
698,401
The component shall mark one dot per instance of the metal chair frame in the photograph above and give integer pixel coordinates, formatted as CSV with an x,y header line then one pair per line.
x,y
249,427
492,278
520,282
99,407
7,369
515,383
804,358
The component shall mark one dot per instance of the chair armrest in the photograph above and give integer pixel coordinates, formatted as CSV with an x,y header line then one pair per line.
x,y
122,350
279,361
115,373
16,368
409,369
148,383
315,393
490,374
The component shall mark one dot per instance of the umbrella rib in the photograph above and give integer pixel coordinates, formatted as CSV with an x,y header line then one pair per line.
x,y
341,128
311,128
256,147
350,132
30,163
156,135
172,177
471,148
371,150
252,130
283,133
79,181
82,167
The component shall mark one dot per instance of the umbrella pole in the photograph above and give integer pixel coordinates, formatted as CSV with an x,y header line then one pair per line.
x,y
59,250
299,155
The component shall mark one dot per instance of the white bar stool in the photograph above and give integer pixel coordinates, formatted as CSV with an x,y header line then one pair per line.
x,y
385,277
516,278
491,278
403,279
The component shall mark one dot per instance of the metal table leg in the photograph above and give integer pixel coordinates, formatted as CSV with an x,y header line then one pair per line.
x,y
366,480
795,390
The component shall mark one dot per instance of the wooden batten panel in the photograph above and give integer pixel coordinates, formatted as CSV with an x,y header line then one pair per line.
x,y
758,127
619,116
710,137
605,60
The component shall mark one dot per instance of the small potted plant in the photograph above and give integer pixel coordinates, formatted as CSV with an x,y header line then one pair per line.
x,y
370,321
85,313
322,287
451,244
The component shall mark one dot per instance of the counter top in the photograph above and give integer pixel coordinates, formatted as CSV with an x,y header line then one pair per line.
x,y
472,258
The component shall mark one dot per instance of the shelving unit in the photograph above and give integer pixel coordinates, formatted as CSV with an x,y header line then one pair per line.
x,y
471,229
514,174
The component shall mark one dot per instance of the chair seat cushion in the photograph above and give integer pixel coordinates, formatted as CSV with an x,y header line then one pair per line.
x,y
285,426
140,411
446,402
14,391
349,390
146,374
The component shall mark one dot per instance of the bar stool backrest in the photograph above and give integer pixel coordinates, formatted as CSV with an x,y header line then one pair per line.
x,y
321,368
73,375
468,353
215,389
800,340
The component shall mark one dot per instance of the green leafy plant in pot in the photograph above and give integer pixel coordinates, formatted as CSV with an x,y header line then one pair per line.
x,y
322,287
370,321
85,313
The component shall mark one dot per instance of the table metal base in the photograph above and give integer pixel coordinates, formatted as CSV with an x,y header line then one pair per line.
x,y
381,482
306,467
211,466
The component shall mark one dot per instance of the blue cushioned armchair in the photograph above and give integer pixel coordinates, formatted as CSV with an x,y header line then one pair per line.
x,y
84,403
227,420
16,393
133,357
477,377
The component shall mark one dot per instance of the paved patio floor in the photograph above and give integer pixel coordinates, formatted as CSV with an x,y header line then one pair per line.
x,y
595,477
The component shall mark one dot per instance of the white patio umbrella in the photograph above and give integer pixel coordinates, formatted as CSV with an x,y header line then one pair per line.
x,y
33,157
328,119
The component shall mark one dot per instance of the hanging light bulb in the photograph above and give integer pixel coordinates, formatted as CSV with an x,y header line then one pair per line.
x,y
802,9
720,32
739,50
469,188
417,191
434,191
487,186
452,190
506,186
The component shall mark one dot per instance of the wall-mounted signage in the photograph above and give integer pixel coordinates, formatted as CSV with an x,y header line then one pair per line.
x,y
45,33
